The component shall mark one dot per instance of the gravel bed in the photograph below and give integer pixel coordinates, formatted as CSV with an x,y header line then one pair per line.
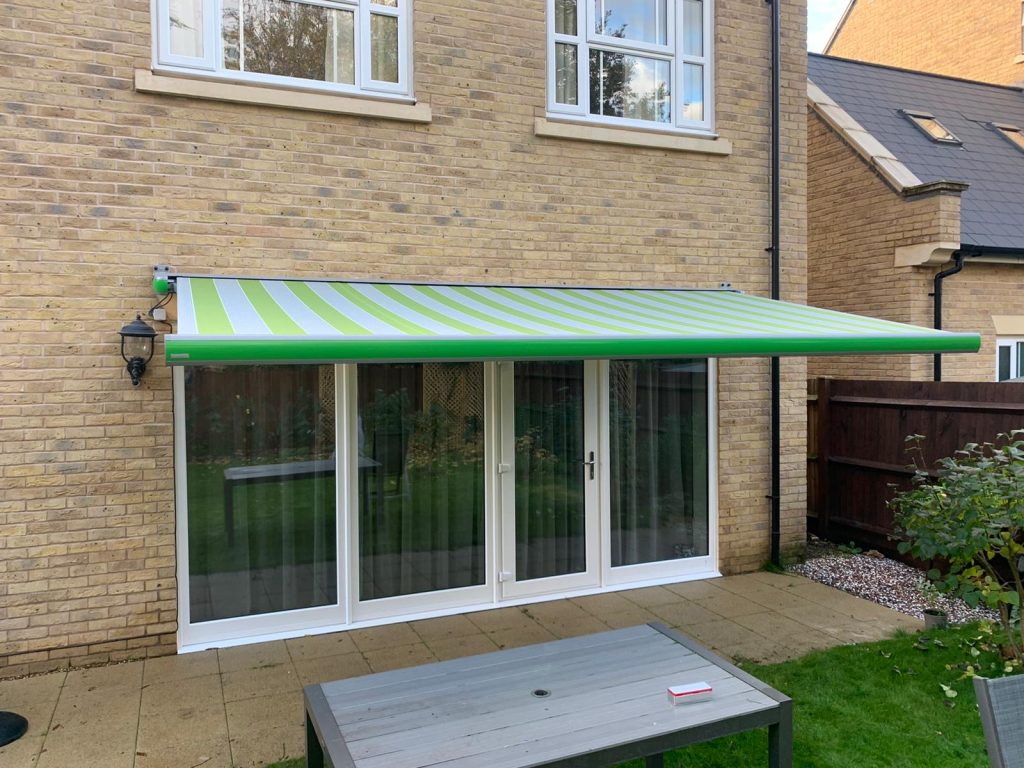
x,y
881,580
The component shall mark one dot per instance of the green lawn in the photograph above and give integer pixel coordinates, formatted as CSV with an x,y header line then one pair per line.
x,y
876,704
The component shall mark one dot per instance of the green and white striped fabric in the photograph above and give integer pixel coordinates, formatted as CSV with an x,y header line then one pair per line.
x,y
222,320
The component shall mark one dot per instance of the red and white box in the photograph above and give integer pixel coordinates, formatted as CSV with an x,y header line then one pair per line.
x,y
689,693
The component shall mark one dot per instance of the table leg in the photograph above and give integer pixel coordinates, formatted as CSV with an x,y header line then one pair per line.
x,y
780,738
314,752
656,761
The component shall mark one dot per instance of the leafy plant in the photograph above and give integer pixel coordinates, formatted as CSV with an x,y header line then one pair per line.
x,y
849,549
969,514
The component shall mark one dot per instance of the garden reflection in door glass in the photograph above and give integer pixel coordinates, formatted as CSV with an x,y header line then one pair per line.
x,y
261,503
421,478
659,460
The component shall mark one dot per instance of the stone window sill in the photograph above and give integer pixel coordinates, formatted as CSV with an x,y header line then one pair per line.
x,y
557,129
240,93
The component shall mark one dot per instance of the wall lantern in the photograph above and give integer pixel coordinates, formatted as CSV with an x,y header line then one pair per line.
x,y
137,347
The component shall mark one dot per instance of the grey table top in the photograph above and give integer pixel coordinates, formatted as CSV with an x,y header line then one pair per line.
x,y
607,701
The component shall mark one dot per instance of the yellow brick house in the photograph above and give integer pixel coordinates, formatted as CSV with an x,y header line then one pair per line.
x,y
424,342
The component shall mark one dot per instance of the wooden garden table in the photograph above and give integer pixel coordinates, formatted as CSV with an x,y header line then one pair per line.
x,y
596,700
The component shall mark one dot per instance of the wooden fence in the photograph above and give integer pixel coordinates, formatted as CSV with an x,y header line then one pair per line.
x,y
858,453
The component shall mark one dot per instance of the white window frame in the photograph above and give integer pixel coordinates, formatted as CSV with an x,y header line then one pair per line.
x,y
586,36
1016,346
211,66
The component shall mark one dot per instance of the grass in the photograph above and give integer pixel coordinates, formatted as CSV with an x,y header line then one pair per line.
x,y
874,704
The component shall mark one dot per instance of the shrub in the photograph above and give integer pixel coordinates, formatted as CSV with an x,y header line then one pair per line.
x,y
969,513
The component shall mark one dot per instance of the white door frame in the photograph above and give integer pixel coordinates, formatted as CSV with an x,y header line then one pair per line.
x,y
510,587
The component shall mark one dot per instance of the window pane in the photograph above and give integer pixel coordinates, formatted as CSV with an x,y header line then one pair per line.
x,y
1020,360
386,3
693,91
260,473
421,478
643,20
693,27
634,87
1004,362
384,48
186,27
566,80
289,39
565,17
550,513
659,461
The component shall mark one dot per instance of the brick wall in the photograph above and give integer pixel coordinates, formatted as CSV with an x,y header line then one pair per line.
x,y
973,39
101,182
855,222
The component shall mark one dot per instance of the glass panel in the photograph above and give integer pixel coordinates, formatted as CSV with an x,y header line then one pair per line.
x,y
1013,135
693,91
186,18
384,48
289,39
565,17
421,478
693,27
550,521
566,79
658,426
634,87
1020,359
643,20
1004,362
260,474
386,3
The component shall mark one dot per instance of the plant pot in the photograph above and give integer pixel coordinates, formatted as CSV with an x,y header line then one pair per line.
x,y
935,618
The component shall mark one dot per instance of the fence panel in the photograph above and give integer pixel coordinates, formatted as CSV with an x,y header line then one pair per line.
x,y
860,452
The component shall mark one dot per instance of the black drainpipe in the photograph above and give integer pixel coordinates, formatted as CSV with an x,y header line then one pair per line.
x,y
774,250
958,264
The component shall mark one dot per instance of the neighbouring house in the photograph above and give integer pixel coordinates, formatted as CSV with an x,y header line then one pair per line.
x,y
910,174
418,346
977,39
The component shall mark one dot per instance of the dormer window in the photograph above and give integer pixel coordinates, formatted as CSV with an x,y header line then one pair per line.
x,y
931,127
1011,133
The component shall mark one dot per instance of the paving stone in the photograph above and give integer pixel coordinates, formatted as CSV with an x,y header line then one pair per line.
x,y
515,637
266,729
683,613
771,625
262,681
574,626
253,656
161,669
650,596
114,676
95,726
35,699
723,635
383,659
184,728
23,753
198,694
697,590
500,618
599,605
729,605
327,668
444,628
630,618
317,646
457,647
387,636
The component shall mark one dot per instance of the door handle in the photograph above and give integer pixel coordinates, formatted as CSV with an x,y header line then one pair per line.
x,y
590,463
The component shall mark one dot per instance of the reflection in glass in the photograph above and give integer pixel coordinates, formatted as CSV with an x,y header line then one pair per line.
x,y
289,39
634,87
642,20
550,520
693,91
659,463
693,27
260,476
186,17
384,48
566,79
1004,363
421,478
565,17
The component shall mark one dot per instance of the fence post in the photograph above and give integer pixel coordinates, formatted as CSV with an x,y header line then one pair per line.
x,y
823,451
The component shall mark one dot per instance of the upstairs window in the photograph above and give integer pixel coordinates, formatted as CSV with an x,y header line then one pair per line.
x,y
350,46
931,127
634,63
1011,133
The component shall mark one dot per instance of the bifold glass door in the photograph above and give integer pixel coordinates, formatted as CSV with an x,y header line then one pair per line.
x,y
549,482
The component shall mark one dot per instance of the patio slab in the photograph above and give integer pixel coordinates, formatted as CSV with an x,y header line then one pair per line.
x,y
241,707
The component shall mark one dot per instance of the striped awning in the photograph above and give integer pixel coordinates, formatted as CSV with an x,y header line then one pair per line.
x,y
222,320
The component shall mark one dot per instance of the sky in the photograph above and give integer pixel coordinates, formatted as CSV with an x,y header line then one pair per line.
x,y
822,16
